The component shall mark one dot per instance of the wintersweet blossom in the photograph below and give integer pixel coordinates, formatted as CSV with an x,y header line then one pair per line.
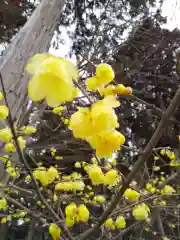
x,y
52,79
4,111
120,222
141,211
70,186
28,130
54,231
107,143
168,190
109,223
95,174
104,75
3,204
83,213
131,195
5,135
112,177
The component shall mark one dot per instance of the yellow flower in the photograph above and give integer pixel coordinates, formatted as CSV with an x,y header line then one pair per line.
x,y
9,147
83,213
66,121
3,220
104,73
71,210
141,211
1,96
76,176
103,115
131,195
112,177
66,186
165,238
3,112
156,168
95,174
41,175
120,89
54,231
22,142
70,186
109,224
28,130
80,123
78,185
69,221
12,172
57,110
28,178
99,199
77,165
107,143
109,90
120,222
3,204
5,135
92,83
52,79
168,190
100,118
51,174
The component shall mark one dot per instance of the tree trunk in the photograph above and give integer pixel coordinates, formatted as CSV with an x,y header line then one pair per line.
x,y
34,37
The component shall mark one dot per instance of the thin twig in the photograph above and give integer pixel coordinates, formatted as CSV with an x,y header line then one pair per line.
x,y
21,206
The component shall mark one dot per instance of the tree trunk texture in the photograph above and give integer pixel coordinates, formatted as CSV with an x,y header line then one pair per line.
x,y
34,37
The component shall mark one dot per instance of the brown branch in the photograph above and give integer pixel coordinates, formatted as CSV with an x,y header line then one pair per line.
x,y
142,158
127,230
156,110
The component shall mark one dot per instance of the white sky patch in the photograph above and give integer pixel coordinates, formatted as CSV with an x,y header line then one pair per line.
x,y
171,9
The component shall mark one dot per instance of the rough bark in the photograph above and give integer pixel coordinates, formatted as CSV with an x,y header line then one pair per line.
x,y
34,37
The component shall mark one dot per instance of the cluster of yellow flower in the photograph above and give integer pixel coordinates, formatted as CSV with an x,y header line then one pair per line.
x,y
97,177
44,176
119,223
76,185
6,136
97,126
76,214
103,76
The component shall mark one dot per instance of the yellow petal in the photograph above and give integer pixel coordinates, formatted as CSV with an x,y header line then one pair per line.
x,y
72,69
35,92
4,111
35,62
